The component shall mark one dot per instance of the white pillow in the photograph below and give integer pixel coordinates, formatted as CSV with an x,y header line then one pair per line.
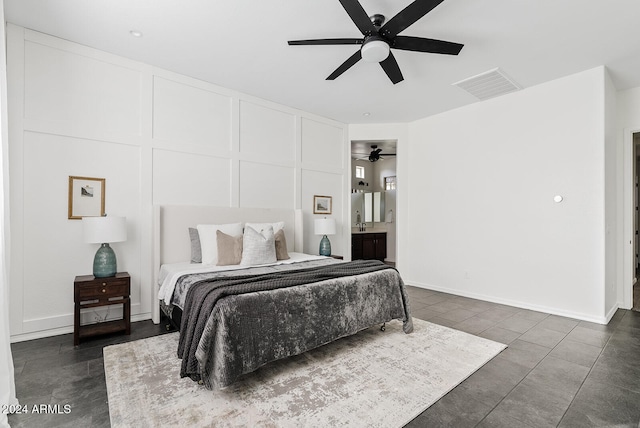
x,y
258,248
261,226
209,242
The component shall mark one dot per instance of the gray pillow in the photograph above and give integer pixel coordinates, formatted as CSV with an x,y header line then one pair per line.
x,y
281,245
196,249
258,247
229,249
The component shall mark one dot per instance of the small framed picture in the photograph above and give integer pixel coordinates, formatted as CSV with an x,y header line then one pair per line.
x,y
321,204
86,197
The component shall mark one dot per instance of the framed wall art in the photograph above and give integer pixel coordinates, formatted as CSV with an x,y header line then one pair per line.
x,y
86,197
321,204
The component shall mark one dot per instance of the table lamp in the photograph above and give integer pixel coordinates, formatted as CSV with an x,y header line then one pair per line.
x,y
103,230
325,226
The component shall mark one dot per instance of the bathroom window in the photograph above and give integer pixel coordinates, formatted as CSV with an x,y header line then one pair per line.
x,y
359,172
390,183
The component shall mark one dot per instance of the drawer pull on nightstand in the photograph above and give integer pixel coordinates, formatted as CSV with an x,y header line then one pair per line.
x,y
104,284
104,290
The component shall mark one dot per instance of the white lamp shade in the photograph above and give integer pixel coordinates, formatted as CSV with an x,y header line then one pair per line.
x,y
101,230
325,226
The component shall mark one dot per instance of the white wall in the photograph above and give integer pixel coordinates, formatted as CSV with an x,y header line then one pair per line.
x,y
157,138
481,181
613,200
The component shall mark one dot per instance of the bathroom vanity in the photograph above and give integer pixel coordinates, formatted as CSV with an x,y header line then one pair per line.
x,y
369,245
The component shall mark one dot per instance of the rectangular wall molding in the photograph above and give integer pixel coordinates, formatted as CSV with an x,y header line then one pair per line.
x,y
157,137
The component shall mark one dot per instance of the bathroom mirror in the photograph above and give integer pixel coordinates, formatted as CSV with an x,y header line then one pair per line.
x,y
368,217
378,207
367,207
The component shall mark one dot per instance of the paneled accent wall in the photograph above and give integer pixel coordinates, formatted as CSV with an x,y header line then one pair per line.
x,y
157,138
194,117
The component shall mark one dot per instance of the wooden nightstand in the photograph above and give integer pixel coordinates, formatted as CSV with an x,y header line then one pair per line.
x,y
336,257
91,292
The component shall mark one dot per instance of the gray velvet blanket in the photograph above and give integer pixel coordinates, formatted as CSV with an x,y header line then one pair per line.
x,y
232,326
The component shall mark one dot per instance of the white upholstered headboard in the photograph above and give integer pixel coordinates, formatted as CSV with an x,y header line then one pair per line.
x,y
171,224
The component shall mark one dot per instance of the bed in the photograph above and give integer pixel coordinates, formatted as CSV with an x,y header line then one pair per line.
x,y
235,319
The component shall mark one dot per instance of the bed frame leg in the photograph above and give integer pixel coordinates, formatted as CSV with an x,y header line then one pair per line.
x,y
168,326
383,328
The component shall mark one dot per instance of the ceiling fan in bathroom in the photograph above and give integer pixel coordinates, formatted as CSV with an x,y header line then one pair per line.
x,y
375,155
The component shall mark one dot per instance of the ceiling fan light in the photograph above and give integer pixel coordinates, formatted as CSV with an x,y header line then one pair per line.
x,y
375,51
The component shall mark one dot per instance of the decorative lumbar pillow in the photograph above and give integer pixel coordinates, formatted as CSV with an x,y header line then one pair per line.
x,y
259,247
196,250
281,245
209,239
229,249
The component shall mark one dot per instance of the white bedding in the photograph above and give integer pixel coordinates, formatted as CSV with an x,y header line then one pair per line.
x,y
170,273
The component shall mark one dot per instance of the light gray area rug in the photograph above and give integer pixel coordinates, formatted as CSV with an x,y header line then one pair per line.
x,y
372,379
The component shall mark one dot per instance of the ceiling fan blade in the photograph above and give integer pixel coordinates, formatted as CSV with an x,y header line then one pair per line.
x,y
419,44
407,17
346,65
326,42
359,16
391,67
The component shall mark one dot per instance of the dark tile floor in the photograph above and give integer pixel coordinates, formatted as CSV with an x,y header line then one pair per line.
x,y
53,371
556,372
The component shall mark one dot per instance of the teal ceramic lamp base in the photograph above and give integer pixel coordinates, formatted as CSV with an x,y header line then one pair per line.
x,y
104,263
325,246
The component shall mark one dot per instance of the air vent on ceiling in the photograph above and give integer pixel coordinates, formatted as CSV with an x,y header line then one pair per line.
x,y
489,84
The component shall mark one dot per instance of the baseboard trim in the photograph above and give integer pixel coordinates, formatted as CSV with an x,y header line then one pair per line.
x,y
519,304
64,330
612,312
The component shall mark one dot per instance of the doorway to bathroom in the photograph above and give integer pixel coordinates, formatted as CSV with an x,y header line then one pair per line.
x,y
373,200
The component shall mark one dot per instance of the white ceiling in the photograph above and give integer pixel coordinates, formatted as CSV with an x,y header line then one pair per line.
x,y
242,45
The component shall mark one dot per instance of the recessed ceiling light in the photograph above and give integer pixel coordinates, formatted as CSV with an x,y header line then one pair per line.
x,y
366,113
135,33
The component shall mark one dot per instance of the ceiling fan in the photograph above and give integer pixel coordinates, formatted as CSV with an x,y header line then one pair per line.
x,y
379,37
375,154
